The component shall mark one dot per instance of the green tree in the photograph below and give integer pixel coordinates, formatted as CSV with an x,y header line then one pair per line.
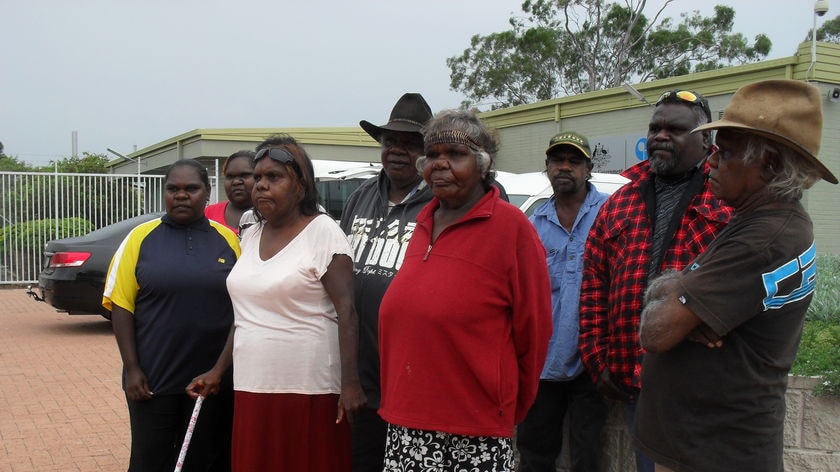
x,y
566,47
87,164
829,32
13,164
51,196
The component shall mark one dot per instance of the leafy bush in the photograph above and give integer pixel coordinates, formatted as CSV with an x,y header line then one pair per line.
x,y
21,233
819,350
22,260
819,354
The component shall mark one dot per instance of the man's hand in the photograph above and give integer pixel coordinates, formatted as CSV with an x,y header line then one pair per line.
x,y
610,390
666,319
705,335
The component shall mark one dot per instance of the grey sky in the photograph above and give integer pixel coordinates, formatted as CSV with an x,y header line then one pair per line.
x,y
125,74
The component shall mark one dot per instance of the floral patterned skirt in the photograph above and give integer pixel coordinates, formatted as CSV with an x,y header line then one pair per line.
x,y
417,450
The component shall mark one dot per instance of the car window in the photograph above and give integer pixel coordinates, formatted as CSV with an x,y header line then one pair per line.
x,y
534,205
517,199
333,194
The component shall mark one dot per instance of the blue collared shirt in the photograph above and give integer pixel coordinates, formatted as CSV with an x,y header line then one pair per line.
x,y
564,255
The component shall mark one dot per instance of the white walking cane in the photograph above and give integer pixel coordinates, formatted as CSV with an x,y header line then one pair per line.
x,y
183,454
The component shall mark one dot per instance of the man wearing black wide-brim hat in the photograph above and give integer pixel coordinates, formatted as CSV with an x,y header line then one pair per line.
x,y
379,220
720,336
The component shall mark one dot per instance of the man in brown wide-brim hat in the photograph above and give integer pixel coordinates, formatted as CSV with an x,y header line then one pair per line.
x,y
721,335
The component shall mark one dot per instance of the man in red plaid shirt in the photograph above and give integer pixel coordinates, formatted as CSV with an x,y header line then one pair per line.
x,y
660,220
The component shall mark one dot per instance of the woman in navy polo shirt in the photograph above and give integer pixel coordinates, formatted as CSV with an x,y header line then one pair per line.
x,y
171,315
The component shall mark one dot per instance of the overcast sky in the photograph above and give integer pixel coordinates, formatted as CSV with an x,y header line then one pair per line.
x,y
130,74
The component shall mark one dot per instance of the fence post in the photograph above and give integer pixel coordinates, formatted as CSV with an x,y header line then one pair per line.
x,y
55,200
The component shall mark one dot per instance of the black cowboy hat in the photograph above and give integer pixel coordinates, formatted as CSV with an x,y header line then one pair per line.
x,y
409,115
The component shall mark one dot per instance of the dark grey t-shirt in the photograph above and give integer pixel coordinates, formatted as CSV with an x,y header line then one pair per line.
x,y
723,409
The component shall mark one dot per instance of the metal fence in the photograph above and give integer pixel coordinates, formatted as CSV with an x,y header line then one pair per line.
x,y
38,207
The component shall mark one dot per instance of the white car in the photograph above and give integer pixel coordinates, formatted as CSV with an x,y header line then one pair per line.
x,y
531,189
341,170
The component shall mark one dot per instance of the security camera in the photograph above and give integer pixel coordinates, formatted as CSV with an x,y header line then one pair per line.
x,y
821,7
834,95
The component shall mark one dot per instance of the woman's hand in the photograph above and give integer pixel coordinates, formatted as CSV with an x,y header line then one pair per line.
x,y
205,384
136,385
338,282
208,382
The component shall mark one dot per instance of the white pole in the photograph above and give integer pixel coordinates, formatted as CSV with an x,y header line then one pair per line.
x,y
813,45
55,199
820,9
140,190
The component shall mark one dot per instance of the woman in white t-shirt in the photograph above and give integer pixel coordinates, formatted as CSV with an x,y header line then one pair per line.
x,y
295,336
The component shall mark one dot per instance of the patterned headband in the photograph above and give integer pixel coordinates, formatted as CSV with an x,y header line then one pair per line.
x,y
450,136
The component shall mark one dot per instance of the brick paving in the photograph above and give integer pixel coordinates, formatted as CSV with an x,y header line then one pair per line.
x,y
61,405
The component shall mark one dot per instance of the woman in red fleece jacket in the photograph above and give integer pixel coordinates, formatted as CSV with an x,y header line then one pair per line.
x,y
464,326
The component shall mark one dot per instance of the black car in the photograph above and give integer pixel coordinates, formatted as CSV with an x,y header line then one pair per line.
x,y
73,276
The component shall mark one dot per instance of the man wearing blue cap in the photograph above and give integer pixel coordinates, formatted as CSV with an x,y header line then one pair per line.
x,y
563,224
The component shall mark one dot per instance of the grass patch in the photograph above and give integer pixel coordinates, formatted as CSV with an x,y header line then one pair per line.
x,y
819,354
819,350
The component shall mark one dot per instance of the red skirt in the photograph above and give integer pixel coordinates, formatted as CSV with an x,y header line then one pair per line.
x,y
287,431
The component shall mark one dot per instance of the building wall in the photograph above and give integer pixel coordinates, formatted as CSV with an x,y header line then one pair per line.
x,y
343,153
522,149
822,200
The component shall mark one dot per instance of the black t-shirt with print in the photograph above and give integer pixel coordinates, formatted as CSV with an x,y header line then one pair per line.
x,y
723,409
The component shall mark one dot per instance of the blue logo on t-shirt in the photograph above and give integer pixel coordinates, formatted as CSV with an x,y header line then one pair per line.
x,y
805,266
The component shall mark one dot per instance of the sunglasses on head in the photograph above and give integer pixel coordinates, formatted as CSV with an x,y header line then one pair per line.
x,y
673,96
276,154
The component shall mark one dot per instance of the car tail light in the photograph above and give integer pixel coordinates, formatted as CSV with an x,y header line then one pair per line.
x,y
68,259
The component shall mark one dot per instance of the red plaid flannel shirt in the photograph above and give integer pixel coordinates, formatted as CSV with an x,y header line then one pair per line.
x,y
615,272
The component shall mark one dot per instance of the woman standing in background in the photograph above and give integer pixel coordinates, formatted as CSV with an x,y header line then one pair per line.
x,y
238,172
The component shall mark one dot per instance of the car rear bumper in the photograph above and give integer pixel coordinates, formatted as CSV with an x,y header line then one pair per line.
x,y
73,297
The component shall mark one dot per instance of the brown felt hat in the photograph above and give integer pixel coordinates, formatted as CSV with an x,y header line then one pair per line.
x,y
786,111
409,115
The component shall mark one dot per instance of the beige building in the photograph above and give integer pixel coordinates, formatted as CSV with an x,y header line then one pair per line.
x,y
615,121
